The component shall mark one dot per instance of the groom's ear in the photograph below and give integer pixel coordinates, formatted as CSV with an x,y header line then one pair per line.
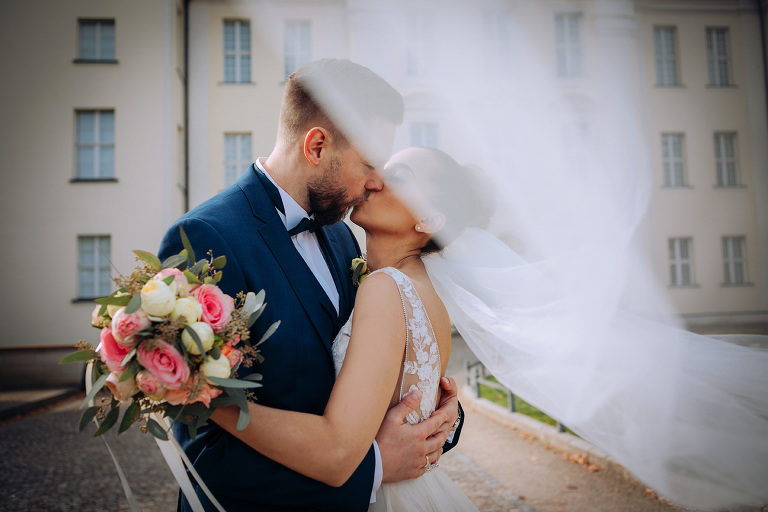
x,y
431,224
315,144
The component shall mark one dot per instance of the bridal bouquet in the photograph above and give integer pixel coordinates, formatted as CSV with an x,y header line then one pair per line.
x,y
170,344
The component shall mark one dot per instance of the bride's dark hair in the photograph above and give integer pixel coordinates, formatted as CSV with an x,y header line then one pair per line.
x,y
460,193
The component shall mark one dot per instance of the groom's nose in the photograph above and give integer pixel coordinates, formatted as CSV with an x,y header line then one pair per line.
x,y
374,182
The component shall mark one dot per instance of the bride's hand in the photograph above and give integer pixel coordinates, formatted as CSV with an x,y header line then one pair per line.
x,y
403,447
449,405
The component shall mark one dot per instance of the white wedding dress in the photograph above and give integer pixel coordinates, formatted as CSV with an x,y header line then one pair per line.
x,y
433,491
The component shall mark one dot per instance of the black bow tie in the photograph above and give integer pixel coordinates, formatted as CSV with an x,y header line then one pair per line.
x,y
306,224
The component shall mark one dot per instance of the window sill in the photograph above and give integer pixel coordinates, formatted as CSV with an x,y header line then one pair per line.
x,y
729,186
237,83
94,61
672,86
93,180
726,86
83,300
737,285
683,286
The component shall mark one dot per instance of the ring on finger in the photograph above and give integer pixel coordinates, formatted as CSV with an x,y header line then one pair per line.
x,y
427,464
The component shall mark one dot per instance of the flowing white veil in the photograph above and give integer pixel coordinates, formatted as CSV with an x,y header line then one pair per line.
x,y
556,295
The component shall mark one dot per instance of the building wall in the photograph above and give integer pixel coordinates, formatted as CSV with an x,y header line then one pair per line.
x,y
43,210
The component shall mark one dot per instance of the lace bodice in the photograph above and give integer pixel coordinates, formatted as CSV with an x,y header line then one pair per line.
x,y
421,367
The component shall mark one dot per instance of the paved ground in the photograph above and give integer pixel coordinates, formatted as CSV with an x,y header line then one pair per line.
x,y
46,465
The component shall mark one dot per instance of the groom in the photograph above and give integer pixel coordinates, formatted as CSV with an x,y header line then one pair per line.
x,y
279,229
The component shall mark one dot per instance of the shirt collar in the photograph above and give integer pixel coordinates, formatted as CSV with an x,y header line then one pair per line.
x,y
293,211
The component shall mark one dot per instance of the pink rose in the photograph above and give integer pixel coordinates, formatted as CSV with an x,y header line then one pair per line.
x,y
124,326
234,355
122,390
217,306
182,286
182,395
111,351
149,385
164,362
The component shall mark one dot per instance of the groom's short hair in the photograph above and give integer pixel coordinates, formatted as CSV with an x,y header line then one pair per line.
x,y
366,95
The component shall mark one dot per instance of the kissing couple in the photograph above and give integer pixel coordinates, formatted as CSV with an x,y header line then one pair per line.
x,y
355,411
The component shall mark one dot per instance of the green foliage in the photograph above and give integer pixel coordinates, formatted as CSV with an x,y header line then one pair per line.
x,y
134,304
150,258
187,245
109,421
114,300
95,389
219,262
154,428
233,383
270,332
176,261
88,416
196,338
79,356
130,416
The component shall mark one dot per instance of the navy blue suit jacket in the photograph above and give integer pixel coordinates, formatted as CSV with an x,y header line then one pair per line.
x,y
242,224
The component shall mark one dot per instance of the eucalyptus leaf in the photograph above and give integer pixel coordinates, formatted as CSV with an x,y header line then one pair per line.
x,y
108,422
233,383
129,417
168,280
192,278
219,262
175,260
134,304
255,315
80,355
270,332
249,306
238,395
195,337
209,280
243,419
129,372
128,357
356,273
150,258
187,245
215,353
87,417
217,277
253,376
95,389
103,310
114,300
156,430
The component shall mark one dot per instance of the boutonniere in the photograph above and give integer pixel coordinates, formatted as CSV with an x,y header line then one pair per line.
x,y
359,270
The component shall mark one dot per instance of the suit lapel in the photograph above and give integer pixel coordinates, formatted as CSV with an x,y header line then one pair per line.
x,y
338,267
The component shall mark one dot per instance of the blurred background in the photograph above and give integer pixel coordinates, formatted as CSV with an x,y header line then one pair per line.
x,y
120,116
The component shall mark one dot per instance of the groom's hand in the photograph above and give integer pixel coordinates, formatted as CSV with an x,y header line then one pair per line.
x,y
449,405
403,447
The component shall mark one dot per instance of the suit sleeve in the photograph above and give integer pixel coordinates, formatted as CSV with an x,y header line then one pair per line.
x,y
231,469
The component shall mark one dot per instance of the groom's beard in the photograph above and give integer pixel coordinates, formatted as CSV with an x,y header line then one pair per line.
x,y
328,199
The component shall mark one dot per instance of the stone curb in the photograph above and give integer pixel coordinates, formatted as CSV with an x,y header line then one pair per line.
x,y
546,433
26,407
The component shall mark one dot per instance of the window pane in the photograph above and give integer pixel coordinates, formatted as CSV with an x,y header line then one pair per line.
x,y
686,274
738,269
737,247
684,249
87,40
245,148
106,127
245,37
106,162
86,250
230,147
85,162
107,40
85,284
229,68
229,36
245,68
104,251
85,127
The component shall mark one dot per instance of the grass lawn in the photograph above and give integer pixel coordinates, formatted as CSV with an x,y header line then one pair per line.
x,y
521,406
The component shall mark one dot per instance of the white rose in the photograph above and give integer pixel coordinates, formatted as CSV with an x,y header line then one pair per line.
x,y
216,367
188,308
112,309
157,298
121,390
203,331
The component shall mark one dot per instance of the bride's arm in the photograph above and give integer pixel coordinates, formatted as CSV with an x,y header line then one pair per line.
x,y
330,447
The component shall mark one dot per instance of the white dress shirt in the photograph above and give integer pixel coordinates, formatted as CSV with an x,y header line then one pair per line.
x,y
308,246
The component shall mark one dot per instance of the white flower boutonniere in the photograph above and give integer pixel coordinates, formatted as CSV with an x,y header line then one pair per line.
x,y
359,270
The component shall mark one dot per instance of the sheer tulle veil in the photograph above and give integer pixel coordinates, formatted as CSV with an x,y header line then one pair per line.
x,y
556,294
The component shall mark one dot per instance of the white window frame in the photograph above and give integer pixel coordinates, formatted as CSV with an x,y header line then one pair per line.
x,y
234,168
569,44
718,57
733,262
297,45
100,271
679,263
673,159
421,132
665,48
100,34
98,145
240,53
726,165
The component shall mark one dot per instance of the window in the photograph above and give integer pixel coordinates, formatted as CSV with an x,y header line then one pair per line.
x,y
237,156
237,52
424,134
94,279
497,44
725,159
680,267
95,150
673,161
297,45
733,260
568,44
717,57
96,40
419,48
665,42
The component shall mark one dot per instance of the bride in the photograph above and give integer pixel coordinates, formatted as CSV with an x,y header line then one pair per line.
x,y
398,341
